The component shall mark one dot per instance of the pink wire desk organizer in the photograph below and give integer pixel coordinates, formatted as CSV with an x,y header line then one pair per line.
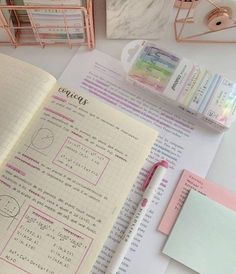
x,y
20,27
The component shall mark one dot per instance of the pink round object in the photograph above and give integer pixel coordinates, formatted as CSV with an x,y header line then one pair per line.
x,y
219,19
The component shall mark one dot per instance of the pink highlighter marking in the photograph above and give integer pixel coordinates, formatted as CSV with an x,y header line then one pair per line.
x,y
16,169
59,114
59,99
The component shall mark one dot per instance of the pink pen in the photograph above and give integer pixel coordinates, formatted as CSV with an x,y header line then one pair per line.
x,y
150,188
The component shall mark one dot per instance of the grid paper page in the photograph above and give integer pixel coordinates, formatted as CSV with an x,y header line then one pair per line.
x,y
23,89
65,182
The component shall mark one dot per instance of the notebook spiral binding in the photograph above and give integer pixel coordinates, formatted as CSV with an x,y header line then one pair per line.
x,y
18,23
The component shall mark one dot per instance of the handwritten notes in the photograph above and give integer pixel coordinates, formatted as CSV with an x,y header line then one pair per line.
x,y
38,232
81,160
65,182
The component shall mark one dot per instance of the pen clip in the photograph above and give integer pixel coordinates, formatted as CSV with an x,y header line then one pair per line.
x,y
151,172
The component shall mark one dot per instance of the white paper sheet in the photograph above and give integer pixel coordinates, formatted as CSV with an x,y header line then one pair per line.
x,y
182,142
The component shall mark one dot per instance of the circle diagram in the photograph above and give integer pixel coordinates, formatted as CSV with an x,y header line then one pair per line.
x,y
42,138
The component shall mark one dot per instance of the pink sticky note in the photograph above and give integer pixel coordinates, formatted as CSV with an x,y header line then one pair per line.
x,y
187,182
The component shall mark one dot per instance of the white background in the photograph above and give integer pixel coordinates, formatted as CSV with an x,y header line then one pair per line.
x,y
217,57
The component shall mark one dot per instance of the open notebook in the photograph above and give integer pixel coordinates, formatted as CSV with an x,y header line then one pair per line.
x,y
68,162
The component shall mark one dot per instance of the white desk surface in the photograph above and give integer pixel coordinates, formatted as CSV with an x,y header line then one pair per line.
x,y
217,57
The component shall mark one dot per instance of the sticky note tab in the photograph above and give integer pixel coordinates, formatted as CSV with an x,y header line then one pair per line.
x,y
204,236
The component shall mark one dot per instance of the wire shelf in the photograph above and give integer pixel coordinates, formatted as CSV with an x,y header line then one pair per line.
x,y
22,25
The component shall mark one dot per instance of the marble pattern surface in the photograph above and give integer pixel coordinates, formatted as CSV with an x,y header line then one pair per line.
x,y
137,19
